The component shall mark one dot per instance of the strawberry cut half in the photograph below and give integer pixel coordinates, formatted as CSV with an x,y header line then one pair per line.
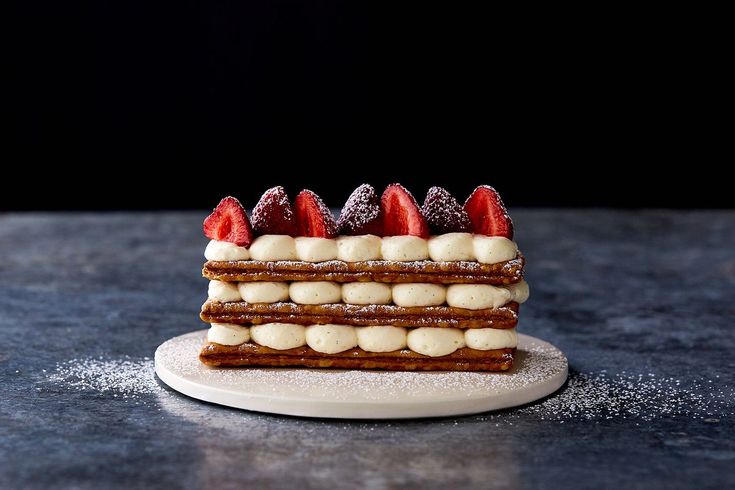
x,y
361,213
313,217
488,214
273,214
443,212
229,223
401,213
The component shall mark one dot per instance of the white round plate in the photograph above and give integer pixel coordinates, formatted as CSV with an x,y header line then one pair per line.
x,y
539,369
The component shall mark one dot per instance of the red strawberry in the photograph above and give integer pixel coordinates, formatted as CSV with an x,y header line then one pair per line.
x,y
229,223
487,213
401,213
313,217
361,214
443,212
273,214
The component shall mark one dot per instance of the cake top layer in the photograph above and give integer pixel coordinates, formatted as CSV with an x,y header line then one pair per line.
x,y
395,213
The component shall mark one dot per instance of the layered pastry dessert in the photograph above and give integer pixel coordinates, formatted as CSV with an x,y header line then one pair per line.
x,y
389,285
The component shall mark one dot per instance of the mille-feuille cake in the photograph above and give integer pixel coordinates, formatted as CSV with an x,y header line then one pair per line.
x,y
389,285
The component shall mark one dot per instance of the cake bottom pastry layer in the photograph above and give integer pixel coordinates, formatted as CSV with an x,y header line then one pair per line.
x,y
251,354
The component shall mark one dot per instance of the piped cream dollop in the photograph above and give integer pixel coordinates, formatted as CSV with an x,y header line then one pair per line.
x,y
358,248
273,247
451,247
378,338
418,294
366,293
519,291
435,342
224,292
263,291
222,251
315,249
493,249
477,296
331,339
228,334
491,338
280,336
404,248
315,292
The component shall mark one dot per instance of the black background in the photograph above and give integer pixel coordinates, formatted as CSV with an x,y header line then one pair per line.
x,y
125,105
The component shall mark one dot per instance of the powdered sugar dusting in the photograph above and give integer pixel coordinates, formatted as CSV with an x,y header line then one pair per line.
x,y
597,396
127,378
590,396
361,212
443,212
273,213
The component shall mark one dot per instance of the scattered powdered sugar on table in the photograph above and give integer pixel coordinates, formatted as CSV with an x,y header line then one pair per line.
x,y
597,396
125,378
586,396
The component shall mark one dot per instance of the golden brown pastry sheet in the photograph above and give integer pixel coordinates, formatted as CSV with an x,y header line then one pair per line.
x,y
251,354
462,272
360,315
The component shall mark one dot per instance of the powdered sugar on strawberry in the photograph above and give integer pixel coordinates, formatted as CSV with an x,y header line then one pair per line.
x,y
273,214
443,213
361,213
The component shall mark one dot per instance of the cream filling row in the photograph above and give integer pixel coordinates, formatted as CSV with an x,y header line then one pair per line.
x,y
469,296
441,248
332,339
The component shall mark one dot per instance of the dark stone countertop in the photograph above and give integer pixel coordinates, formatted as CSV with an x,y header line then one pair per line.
x,y
642,303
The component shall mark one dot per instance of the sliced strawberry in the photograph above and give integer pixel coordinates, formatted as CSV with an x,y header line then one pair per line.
x,y
361,213
487,213
229,223
273,214
313,217
401,213
443,212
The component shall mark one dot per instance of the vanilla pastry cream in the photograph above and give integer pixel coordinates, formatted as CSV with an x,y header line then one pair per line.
x,y
332,339
469,296
381,338
315,249
491,338
280,336
228,334
435,342
447,247
366,293
218,250
404,248
418,294
273,247
451,247
224,292
493,249
315,292
519,291
358,248
477,296
263,291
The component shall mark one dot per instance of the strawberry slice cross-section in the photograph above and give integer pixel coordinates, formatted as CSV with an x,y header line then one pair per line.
x,y
313,217
401,213
487,213
229,223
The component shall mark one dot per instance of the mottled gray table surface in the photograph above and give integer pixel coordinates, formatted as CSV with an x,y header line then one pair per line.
x,y
642,303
